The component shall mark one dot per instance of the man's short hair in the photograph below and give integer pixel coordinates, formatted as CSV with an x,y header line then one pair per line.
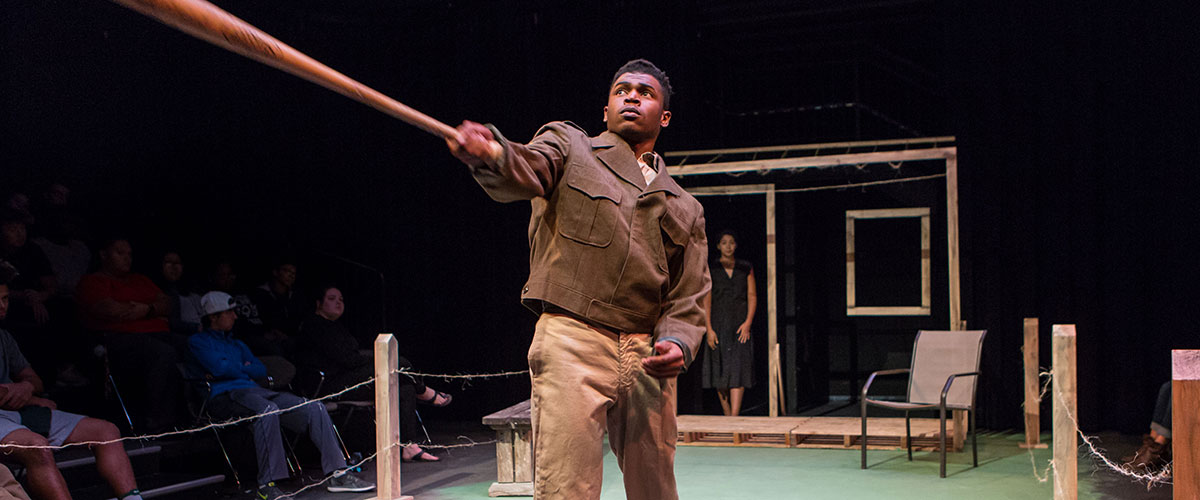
x,y
647,68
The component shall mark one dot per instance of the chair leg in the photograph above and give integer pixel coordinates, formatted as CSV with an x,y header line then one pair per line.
x,y
974,439
232,470
121,402
942,441
345,451
423,429
908,435
863,440
292,461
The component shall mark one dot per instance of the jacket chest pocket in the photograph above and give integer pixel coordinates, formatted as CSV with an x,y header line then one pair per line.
x,y
590,211
676,235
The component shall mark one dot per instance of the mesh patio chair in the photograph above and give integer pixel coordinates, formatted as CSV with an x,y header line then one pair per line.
x,y
943,376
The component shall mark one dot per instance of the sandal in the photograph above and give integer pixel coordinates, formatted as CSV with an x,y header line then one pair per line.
x,y
423,456
446,399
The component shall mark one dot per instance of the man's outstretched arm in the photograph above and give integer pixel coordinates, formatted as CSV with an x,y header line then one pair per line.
x,y
514,171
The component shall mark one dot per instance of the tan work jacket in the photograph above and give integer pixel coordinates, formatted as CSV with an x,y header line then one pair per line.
x,y
604,246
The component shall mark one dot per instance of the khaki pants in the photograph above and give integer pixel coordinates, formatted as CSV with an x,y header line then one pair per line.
x,y
587,380
9,487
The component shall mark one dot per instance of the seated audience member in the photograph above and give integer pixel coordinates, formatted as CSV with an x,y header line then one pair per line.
x,y
325,344
39,318
18,203
249,327
27,419
129,312
35,282
235,394
1155,451
278,305
68,256
184,317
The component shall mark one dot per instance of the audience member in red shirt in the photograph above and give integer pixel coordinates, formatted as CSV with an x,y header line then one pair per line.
x,y
130,313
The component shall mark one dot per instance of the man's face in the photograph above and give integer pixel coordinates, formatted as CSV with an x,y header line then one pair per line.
x,y
13,233
223,277
118,257
635,108
223,321
285,275
3,301
172,267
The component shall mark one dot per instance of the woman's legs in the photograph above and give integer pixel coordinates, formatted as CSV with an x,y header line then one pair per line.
x,y
723,395
735,400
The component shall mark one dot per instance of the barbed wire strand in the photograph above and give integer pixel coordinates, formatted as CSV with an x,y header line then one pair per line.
x,y
6,448
1162,476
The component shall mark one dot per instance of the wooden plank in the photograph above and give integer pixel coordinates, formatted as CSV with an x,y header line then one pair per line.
x,y
730,190
889,311
803,432
523,455
812,162
1185,423
504,456
778,386
1033,401
889,213
926,264
809,147
850,277
883,433
1065,426
773,378
515,414
511,490
956,322
387,419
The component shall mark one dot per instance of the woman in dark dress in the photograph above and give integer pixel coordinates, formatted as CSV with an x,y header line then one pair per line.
x,y
729,359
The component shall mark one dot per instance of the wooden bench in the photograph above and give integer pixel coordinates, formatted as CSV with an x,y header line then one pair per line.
x,y
514,451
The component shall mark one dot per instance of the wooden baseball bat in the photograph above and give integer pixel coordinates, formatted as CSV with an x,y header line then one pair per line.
x,y
210,23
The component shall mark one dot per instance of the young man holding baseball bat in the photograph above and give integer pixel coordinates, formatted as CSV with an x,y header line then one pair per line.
x,y
617,272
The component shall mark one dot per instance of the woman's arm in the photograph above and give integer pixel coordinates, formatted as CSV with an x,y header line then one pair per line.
x,y
710,336
743,330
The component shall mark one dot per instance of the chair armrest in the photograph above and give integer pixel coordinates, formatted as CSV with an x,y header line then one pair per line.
x,y
950,381
871,378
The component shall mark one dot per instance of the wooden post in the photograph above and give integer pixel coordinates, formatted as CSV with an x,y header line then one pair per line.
x,y
1033,403
777,388
1185,423
1065,427
952,241
772,320
387,419
954,289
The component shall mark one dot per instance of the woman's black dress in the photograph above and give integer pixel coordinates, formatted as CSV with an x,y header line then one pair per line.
x,y
731,363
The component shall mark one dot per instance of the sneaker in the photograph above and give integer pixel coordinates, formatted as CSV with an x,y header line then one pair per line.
x,y
268,492
348,482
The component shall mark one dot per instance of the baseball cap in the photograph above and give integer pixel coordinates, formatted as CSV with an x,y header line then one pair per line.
x,y
215,302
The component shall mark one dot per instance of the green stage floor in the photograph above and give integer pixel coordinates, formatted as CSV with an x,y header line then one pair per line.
x,y
1005,472
728,473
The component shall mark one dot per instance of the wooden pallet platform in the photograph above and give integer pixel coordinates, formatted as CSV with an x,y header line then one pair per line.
x,y
716,430
808,432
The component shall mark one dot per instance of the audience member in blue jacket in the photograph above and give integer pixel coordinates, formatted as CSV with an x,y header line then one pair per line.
x,y
235,394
